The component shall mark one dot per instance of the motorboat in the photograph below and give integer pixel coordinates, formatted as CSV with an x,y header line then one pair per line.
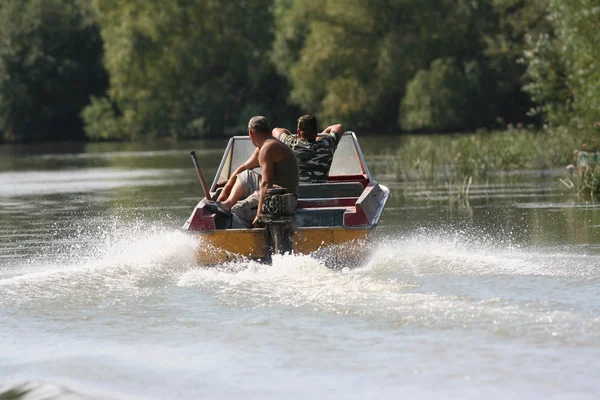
x,y
338,214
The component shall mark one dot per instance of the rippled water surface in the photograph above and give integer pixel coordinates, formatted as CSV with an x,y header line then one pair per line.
x,y
101,297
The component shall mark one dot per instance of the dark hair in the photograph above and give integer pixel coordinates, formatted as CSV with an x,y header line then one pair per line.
x,y
259,124
308,124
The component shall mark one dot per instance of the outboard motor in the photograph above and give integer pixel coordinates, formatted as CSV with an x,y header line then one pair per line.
x,y
278,210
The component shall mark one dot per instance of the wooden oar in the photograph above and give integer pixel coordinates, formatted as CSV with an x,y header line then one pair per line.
x,y
200,176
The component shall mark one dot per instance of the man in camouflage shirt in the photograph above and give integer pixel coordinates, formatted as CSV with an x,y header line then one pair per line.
x,y
314,153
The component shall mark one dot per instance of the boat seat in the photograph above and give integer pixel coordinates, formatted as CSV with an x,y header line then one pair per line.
x,y
330,189
325,216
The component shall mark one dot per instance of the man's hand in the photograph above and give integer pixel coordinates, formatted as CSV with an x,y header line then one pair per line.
x,y
256,223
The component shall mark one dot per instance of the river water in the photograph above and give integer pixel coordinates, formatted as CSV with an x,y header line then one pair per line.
x,y
100,296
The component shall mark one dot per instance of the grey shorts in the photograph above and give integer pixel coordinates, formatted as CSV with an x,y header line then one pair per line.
x,y
244,212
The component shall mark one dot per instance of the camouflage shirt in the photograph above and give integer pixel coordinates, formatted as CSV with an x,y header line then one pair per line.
x,y
314,156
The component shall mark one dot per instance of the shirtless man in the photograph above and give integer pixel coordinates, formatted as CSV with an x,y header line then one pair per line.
x,y
279,169
315,153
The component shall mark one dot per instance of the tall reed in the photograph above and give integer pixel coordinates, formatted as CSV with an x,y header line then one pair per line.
x,y
447,158
435,157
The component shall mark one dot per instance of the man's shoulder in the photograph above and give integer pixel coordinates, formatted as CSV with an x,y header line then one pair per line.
x,y
271,144
277,145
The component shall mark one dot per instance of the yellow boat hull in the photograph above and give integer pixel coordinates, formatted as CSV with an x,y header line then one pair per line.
x,y
220,246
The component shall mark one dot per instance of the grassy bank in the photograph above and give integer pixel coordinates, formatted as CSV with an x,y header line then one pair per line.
x,y
443,157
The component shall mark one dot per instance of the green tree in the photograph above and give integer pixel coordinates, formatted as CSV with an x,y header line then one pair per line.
x,y
50,63
352,60
563,65
440,98
480,86
186,68
506,40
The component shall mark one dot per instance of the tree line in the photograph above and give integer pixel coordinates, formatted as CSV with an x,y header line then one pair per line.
x,y
121,70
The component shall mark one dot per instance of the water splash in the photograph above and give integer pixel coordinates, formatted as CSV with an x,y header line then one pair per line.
x,y
122,257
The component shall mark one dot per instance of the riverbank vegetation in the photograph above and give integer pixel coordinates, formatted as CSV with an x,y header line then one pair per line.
x,y
443,157
113,70
459,160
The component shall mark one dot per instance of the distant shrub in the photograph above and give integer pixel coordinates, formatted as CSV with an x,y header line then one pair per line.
x,y
102,121
436,99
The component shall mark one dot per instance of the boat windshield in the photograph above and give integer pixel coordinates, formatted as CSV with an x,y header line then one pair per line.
x,y
346,160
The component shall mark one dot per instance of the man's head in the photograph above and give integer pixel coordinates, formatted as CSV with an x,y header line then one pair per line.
x,y
307,127
258,130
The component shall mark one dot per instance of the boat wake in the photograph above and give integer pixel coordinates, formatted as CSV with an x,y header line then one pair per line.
x,y
461,253
423,278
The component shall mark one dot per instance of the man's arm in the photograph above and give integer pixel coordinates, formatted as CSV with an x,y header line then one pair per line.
x,y
267,165
277,132
337,130
251,163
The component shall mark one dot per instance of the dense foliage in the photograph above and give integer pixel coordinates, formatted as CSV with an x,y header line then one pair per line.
x,y
564,64
50,64
183,68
